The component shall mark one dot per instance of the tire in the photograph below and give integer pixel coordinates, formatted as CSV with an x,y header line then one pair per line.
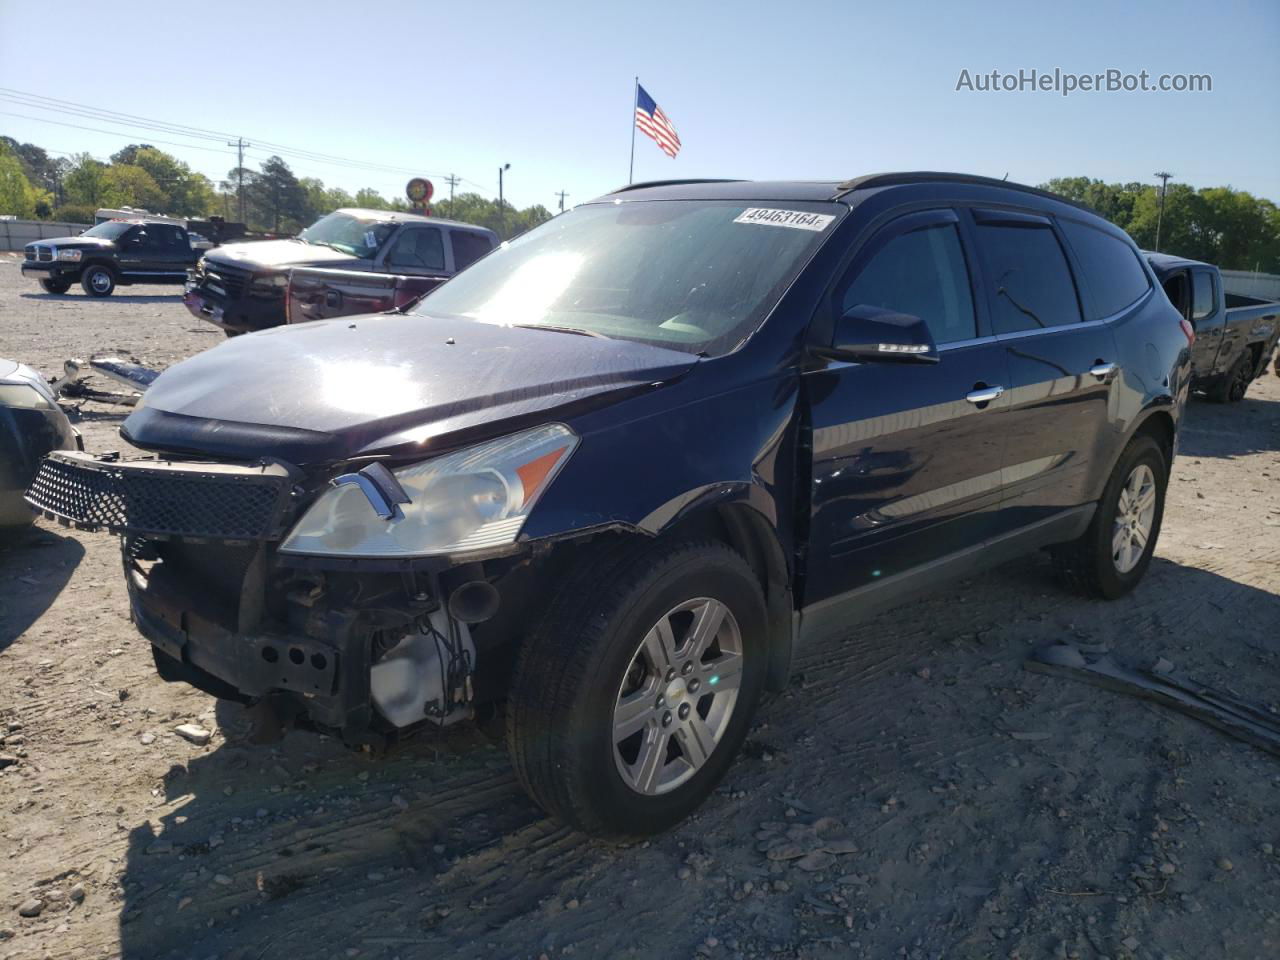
x,y
594,652
55,286
1231,388
1092,564
98,281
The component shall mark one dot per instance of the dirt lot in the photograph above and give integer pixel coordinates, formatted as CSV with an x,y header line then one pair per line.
x,y
992,812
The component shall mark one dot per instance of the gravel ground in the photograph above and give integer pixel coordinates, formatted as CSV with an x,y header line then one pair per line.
x,y
947,803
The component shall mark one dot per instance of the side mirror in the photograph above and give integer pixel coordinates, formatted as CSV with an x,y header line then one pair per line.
x,y
871,334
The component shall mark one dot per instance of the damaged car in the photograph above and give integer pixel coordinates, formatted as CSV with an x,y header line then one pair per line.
x,y
31,426
616,471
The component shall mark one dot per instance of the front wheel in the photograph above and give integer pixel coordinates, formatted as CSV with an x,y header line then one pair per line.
x,y
1114,553
632,698
55,286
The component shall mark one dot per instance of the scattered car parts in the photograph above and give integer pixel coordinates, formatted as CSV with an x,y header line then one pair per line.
x,y
1249,722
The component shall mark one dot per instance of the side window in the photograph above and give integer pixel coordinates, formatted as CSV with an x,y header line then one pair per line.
x,y
1111,269
1030,283
419,248
149,240
922,273
468,247
1202,300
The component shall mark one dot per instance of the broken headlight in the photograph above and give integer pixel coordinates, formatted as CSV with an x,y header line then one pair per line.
x,y
473,499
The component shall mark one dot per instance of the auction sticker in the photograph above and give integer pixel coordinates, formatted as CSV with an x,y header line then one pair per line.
x,y
796,219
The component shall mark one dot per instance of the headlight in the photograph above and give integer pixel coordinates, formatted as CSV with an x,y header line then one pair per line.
x,y
473,499
23,397
73,255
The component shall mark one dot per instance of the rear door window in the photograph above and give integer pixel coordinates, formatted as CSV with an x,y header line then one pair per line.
x,y
1029,283
1112,273
419,248
468,247
922,273
1203,301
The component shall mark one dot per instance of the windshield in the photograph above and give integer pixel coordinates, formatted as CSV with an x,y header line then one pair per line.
x,y
358,236
109,230
691,275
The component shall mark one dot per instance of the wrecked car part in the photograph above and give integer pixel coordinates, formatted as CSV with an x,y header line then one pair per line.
x,y
1230,714
427,674
72,383
31,425
217,501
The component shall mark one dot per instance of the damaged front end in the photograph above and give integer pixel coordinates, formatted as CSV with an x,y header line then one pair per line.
x,y
337,601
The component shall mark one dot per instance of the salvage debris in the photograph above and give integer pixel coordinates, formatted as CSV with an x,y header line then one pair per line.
x,y
1230,714
193,732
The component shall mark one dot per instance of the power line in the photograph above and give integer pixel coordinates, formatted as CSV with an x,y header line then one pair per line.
x,y
84,111
452,179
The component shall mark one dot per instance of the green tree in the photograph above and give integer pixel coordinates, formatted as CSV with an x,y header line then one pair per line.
x,y
85,182
128,185
507,223
1231,228
279,202
17,196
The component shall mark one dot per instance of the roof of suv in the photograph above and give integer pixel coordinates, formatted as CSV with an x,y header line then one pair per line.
x,y
399,216
817,190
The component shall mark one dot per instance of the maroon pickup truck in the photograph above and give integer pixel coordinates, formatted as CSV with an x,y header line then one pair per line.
x,y
241,287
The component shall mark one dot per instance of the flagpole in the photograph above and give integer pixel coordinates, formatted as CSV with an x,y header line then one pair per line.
x,y
635,102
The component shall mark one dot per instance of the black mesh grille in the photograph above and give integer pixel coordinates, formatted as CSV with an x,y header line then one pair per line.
x,y
161,499
232,279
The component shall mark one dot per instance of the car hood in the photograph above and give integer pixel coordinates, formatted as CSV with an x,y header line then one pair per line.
x,y
81,242
281,253
394,384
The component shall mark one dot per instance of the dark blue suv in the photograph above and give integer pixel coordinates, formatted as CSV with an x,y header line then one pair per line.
x,y
613,473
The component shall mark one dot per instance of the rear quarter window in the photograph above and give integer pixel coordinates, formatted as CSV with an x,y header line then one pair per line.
x,y
1112,273
468,247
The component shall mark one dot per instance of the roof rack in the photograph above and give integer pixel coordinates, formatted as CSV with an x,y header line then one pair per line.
x,y
922,176
671,183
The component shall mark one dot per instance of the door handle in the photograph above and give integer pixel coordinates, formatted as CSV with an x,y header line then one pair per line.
x,y
1103,371
984,395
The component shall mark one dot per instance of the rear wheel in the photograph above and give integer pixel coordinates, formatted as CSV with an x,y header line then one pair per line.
x,y
632,698
55,286
98,281
1232,387
1114,553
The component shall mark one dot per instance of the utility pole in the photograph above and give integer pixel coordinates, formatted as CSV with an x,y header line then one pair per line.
x,y
502,210
561,194
1164,186
239,144
452,180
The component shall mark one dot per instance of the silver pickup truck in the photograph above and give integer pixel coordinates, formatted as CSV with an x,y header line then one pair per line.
x,y
1234,334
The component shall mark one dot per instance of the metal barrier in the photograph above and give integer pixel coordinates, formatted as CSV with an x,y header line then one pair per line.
x,y
16,234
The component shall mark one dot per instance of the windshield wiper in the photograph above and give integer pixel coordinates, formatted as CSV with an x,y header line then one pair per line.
x,y
558,329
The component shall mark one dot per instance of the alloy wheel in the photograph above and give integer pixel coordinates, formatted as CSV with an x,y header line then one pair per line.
x,y
677,696
100,280
1135,514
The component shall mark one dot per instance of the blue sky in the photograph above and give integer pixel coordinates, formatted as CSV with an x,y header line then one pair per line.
x,y
759,90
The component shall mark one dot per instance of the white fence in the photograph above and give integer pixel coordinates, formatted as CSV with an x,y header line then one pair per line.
x,y
1264,286
16,234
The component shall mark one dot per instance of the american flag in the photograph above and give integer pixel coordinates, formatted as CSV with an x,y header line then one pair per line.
x,y
653,123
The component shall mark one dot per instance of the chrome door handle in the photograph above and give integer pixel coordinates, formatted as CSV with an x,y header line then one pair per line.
x,y
985,395
1103,371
